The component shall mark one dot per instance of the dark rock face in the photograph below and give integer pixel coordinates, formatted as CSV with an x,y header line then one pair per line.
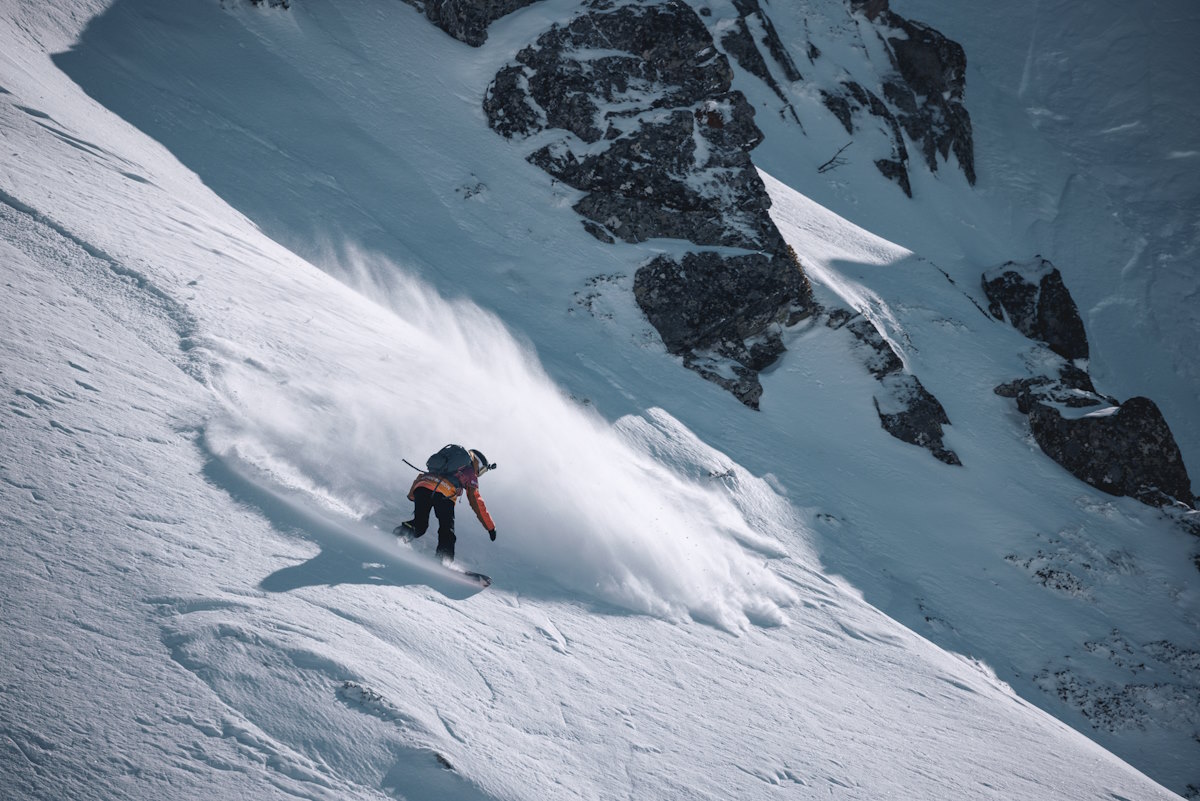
x,y
644,185
656,137
1123,450
710,309
707,298
906,409
1038,304
739,42
871,8
1120,448
676,163
662,50
924,96
852,99
467,20
930,97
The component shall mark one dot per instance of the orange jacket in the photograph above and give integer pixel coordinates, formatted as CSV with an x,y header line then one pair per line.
x,y
446,487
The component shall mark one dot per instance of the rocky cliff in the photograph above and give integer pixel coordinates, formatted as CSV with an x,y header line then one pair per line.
x,y
921,97
1120,448
646,122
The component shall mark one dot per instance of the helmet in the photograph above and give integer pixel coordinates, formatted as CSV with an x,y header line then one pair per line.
x,y
482,465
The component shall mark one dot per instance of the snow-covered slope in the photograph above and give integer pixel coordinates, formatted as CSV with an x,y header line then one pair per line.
x,y
203,427
1084,126
1107,87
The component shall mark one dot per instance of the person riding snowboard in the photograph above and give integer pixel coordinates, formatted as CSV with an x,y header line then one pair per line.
x,y
450,472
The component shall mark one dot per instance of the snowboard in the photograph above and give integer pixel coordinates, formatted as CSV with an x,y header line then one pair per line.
x,y
484,581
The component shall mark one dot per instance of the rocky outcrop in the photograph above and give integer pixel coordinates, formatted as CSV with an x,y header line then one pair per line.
x,y
467,20
723,314
1120,448
906,409
929,99
654,134
738,41
869,8
922,95
1035,299
852,100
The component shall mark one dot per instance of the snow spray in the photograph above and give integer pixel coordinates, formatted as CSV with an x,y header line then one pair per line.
x,y
581,506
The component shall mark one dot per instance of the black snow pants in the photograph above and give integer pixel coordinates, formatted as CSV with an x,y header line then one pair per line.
x,y
425,500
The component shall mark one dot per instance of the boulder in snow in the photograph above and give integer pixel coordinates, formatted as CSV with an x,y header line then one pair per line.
x,y
906,409
1036,301
1120,448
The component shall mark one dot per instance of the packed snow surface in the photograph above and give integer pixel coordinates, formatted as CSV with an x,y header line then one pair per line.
x,y
253,260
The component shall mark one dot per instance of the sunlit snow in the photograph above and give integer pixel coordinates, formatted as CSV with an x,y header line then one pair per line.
x,y
253,260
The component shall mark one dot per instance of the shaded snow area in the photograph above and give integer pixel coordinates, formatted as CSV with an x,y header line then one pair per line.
x,y
1116,208
253,259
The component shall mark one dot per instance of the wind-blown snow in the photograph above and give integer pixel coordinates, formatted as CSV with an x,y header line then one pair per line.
x,y
600,515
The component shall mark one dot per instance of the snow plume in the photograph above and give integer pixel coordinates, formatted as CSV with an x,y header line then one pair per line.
x,y
639,515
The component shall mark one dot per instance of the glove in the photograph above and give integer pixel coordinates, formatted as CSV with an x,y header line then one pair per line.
x,y
492,534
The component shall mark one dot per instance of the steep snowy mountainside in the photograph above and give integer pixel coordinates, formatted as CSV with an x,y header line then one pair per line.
x,y
1107,583
682,615
959,234
1084,132
366,208
146,654
886,81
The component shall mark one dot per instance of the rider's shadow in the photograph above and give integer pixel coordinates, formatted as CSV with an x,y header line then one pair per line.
x,y
331,567
344,558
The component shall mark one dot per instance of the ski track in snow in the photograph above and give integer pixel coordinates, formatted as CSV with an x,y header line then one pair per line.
x,y
202,435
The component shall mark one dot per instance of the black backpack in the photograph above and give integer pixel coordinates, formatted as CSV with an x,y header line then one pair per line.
x,y
447,462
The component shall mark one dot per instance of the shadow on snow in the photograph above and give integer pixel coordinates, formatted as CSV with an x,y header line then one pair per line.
x,y
352,552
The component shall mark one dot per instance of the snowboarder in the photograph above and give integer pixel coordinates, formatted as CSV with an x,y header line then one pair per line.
x,y
450,473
